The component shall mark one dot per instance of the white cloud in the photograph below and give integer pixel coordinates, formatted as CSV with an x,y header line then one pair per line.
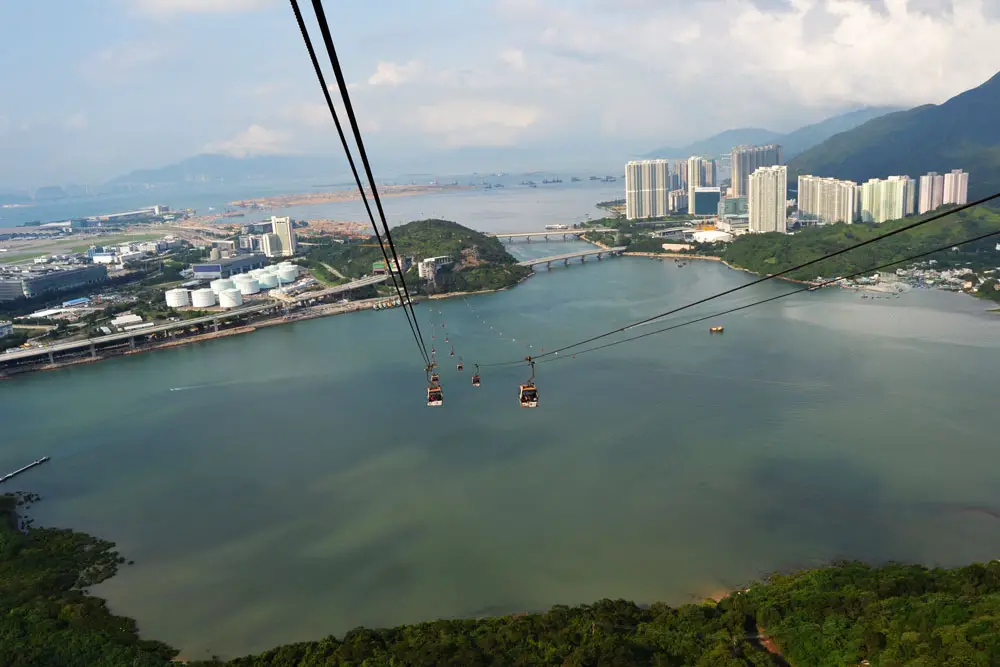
x,y
391,74
514,58
476,123
77,121
255,140
163,8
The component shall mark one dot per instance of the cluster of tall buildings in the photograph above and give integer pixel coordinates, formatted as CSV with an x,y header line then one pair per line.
x,y
746,160
653,189
936,189
830,200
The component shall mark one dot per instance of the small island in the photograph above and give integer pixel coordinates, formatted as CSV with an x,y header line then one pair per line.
x,y
846,614
461,259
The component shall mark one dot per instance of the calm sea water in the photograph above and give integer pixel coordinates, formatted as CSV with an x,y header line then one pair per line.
x,y
290,483
512,208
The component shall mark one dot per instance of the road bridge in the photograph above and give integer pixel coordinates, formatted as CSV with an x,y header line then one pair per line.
x,y
565,257
564,234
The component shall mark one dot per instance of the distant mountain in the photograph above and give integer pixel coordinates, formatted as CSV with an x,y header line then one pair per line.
x,y
962,133
719,144
202,168
792,143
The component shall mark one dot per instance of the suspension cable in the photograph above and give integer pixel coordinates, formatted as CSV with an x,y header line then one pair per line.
x,y
407,306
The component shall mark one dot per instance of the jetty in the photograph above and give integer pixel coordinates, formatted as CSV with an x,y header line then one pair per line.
x,y
17,472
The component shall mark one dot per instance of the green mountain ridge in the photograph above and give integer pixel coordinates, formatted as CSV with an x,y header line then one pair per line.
x,y
962,133
792,143
893,615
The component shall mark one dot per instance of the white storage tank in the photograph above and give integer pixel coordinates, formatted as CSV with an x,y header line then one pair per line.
x,y
268,281
178,298
203,298
248,287
222,284
288,274
230,298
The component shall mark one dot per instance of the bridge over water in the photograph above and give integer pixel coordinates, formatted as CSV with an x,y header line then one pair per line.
x,y
565,257
564,234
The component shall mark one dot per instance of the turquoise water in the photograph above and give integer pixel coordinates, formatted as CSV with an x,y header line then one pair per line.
x,y
294,484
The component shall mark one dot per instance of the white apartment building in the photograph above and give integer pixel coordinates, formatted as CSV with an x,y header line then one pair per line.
x,y
647,188
931,192
829,200
888,199
956,187
766,200
747,159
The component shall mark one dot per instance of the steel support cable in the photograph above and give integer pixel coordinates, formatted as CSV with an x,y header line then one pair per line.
x,y
785,272
775,298
407,308
338,73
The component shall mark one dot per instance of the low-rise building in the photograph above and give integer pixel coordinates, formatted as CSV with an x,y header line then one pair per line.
x,y
6,329
18,282
227,266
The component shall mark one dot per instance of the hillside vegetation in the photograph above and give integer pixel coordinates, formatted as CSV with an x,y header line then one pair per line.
x,y
481,262
773,252
893,616
962,133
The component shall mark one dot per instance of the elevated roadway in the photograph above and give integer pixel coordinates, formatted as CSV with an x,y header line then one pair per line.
x,y
564,233
565,257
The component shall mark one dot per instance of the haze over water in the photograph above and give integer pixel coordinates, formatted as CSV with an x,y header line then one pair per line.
x,y
294,484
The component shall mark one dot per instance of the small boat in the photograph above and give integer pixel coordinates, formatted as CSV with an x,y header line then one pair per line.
x,y
715,330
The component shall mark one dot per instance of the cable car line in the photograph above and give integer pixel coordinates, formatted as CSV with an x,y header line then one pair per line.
x,y
411,317
779,296
784,272
324,27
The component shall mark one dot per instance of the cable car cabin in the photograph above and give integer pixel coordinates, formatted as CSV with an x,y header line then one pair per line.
x,y
452,353
529,396
715,330
435,377
434,397
475,380
460,366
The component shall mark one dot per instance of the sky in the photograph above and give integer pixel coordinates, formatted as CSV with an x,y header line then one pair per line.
x,y
92,89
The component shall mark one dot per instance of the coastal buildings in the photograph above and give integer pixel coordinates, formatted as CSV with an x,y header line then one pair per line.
x,y
647,189
17,282
956,187
888,199
700,173
931,192
281,242
228,266
677,200
766,200
705,202
828,200
428,267
745,160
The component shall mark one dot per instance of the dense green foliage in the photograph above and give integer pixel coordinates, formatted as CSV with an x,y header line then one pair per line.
x,y
48,619
962,133
770,253
482,263
892,616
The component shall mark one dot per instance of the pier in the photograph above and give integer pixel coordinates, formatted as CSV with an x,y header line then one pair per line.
x,y
565,257
17,472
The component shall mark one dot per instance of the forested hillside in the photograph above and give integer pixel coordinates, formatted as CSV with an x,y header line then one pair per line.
x,y
892,616
481,262
962,133
771,253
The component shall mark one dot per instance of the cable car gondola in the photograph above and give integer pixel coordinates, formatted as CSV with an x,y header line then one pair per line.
x,y
475,377
460,366
435,397
452,352
529,394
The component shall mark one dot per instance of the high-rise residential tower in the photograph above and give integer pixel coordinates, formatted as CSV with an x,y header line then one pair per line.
x,y
931,192
828,200
766,201
647,186
747,159
956,187
888,199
